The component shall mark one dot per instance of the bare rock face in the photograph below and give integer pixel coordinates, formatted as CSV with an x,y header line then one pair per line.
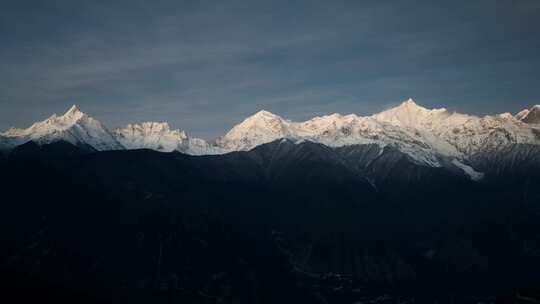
x,y
531,116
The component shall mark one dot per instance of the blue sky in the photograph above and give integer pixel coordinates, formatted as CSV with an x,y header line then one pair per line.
x,y
205,65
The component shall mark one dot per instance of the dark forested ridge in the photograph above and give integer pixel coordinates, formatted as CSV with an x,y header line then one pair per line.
x,y
282,223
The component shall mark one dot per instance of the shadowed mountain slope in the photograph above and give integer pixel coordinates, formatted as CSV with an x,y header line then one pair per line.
x,y
284,222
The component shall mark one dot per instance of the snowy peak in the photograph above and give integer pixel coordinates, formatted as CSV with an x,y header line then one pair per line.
x,y
410,103
53,123
159,136
410,106
260,128
262,119
263,114
409,114
150,135
70,118
74,127
531,116
156,128
74,113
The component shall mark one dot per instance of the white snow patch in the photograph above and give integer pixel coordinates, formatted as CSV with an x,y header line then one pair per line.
x,y
473,174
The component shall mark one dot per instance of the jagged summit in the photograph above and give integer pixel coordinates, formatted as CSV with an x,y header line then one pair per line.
x,y
409,103
410,114
160,137
530,116
73,126
150,135
72,111
54,122
411,106
73,114
262,127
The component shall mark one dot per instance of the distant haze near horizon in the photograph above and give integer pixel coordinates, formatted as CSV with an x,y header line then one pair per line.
x,y
203,66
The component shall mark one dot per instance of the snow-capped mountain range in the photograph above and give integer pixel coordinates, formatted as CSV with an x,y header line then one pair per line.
x,y
433,137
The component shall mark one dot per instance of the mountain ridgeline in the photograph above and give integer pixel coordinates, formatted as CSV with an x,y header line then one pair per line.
x,y
410,205
287,222
436,138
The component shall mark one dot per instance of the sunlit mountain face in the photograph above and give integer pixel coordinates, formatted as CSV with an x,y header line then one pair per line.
x,y
430,136
268,152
